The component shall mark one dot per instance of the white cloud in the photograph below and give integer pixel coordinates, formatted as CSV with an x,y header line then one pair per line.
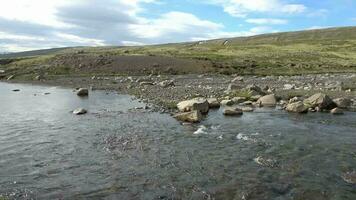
x,y
317,27
173,24
269,21
242,8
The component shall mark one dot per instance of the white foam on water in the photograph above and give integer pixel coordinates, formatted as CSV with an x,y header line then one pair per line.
x,y
202,130
243,137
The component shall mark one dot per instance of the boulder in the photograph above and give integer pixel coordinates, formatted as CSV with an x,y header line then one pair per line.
x,y
82,92
337,111
320,100
199,104
213,103
80,111
227,102
238,100
232,111
297,107
166,83
343,102
193,116
268,100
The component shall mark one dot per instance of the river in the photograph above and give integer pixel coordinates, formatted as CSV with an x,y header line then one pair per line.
x,y
118,152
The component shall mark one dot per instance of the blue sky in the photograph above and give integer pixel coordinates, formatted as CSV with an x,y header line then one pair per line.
x,y
37,24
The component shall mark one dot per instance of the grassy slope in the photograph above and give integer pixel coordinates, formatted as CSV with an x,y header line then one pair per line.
x,y
315,51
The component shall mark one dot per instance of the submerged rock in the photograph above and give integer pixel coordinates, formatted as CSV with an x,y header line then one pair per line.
x,y
232,111
268,100
80,111
193,116
199,104
337,111
320,100
297,107
82,92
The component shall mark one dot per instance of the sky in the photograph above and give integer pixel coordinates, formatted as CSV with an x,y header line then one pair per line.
x,y
39,24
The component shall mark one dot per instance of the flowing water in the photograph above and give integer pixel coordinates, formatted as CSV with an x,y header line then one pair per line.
x,y
117,152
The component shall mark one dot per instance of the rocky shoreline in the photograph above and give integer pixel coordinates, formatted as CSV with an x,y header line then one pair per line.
x,y
242,93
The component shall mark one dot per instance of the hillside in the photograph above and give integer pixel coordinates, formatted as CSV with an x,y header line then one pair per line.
x,y
312,51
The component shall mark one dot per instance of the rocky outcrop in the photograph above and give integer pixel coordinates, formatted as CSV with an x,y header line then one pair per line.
x,y
320,100
193,116
297,107
82,92
199,104
268,100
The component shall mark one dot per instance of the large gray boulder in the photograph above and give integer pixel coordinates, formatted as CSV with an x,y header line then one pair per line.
x,y
213,103
343,102
268,100
320,100
82,92
232,111
199,104
193,116
297,107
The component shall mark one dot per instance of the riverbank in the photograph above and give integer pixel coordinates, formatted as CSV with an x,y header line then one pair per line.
x,y
163,92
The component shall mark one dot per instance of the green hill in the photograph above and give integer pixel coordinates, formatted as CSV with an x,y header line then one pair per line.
x,y
311,51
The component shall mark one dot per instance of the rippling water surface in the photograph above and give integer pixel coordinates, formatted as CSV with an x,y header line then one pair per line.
x,y
116,152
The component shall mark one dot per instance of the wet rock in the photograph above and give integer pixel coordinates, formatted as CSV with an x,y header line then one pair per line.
x,y
266,162
297,107
320,100
79,111
82,92
343,102
16,90
199,104
247,109
232,111
337,111
228,102
349,177
268,100
166,83
213,103
193,116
